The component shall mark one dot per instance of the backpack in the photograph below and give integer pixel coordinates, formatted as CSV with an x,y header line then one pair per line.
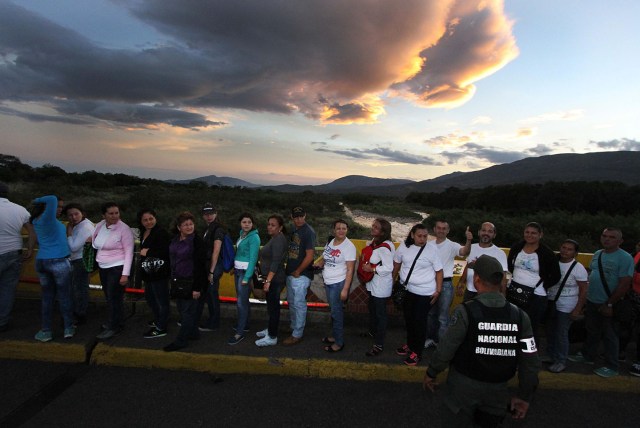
x,y
365,255
227,253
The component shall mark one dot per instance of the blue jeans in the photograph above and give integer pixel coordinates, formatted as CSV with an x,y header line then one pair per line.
x,y
55,279
10,264
438,320
416,309
377,319
297,297
557,326
337,314
212,299
602,328
157,295
189,328
273,307
244,307
114,294
79,287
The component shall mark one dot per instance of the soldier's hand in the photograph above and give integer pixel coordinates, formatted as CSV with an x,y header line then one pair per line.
x,y
519,408
429,383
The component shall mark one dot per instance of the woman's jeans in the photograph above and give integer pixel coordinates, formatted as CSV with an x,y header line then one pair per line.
x,y
416,310
244,307
80,287
378,318
114,293
55,279
211,298
157,295
189,327
337,314
273,307
557,326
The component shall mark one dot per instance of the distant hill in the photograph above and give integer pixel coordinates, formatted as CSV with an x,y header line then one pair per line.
x,y
214,180
621,166
350,183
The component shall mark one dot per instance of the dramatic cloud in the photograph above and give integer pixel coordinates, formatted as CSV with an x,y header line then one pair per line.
x,y
382,154
331,60
621,144
476,152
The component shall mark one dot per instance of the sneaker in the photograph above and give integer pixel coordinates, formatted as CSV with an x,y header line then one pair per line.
x,y
206,329
154,332
579,357
267,341
69,332
606,372
44,336
234,340
151,324
107,334
635,369
403,350
557,367
262,333
429,343
412,359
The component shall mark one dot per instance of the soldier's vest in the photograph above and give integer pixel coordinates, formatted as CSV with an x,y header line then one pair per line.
x,y
491,348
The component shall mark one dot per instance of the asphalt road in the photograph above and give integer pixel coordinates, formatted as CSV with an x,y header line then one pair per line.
x,y
39,394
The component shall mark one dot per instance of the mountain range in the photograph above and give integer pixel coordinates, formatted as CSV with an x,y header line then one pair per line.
x,y
623,166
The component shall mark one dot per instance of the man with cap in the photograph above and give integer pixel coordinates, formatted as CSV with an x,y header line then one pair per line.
x,y
299,272
489,339
213,236
12,218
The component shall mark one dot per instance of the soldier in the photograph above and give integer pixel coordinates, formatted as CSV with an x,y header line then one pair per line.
x,y
489,339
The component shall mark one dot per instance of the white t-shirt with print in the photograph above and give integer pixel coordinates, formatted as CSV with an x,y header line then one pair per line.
x,y
526,271
335,260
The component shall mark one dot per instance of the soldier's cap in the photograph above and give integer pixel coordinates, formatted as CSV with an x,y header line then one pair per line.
x,y
208,208
298,212
488,269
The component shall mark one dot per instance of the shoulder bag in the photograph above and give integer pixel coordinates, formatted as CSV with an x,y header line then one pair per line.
x,y
400,288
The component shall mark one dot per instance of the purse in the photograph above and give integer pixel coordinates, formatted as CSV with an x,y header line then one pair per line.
x,y
520,295
258,279
399,291
623,308
89,257
181,288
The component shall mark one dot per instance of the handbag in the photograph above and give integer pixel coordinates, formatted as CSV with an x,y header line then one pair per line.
x,y
623,308
520,295
400,289
89,257
258,279
181,288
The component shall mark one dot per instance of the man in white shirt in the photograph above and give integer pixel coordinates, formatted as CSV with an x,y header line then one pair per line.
x,y
447,250
486,235
12,218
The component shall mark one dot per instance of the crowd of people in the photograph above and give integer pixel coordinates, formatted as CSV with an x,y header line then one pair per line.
x,y
546,292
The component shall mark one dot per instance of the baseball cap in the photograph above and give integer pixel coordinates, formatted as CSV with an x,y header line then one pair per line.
x,y
208,208
488,269
298,212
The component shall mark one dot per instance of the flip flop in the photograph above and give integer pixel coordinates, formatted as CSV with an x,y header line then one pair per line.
x,y
328,341
330,348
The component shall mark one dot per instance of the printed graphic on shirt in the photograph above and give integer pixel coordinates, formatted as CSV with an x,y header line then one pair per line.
x,y
294,246
331,255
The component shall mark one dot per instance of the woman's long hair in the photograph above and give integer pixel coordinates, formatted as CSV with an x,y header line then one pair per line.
x,y
385,227
410,241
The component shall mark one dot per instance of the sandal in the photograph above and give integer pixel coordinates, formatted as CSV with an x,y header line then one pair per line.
x,y
328,340
330,348
374,351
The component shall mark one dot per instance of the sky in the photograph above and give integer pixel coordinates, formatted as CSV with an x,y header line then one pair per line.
x,y
306,92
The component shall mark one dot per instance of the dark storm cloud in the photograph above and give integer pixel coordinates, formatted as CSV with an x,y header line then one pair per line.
x,y
618,144
328,59
382,154
540,150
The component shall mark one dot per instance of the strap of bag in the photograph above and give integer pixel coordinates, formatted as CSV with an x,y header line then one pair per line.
x,y
406,280
564,280
602,278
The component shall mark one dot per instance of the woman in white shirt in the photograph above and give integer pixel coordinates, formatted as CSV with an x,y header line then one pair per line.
x,y
379,287
338,261
423,288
